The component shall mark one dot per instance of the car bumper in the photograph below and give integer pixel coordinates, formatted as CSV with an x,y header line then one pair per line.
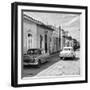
x,y
35,63
66,56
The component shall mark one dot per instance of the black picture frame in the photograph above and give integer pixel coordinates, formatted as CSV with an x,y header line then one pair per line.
x,y
14,43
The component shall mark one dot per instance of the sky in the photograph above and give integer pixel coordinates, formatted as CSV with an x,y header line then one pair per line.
x,y
68,22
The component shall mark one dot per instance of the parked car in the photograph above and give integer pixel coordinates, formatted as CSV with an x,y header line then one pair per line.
x,y
67,52
35,57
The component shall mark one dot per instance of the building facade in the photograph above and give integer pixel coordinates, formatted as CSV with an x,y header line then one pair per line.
x,y
62,39
36,34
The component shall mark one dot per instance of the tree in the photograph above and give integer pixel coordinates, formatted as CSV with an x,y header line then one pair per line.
x,y
76,44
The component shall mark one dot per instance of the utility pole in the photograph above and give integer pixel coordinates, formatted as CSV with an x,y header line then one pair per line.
x,y
59,37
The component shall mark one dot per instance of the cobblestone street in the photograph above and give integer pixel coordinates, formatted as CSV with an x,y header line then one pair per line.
x,y
62,68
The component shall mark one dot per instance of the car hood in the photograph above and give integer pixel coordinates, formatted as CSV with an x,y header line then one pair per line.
x,y
32,56
65,52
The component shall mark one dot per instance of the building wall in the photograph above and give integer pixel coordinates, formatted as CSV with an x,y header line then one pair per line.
x,y
36,31
42,31
62,39
49,39
29,28
55,42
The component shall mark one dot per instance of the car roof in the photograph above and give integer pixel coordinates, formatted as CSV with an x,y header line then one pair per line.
x,y
68,47
35,49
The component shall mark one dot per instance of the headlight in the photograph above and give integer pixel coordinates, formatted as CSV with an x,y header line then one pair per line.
x,y
61,53
35,59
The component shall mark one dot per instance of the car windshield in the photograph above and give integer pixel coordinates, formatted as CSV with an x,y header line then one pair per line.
x,y
67,49
34,51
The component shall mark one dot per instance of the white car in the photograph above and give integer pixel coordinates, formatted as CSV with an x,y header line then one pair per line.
x,y
67,52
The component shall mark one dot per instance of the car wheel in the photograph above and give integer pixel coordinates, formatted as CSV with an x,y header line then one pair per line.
x,y
60,57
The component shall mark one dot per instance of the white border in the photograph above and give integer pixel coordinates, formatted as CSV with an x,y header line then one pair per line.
x,y
31,80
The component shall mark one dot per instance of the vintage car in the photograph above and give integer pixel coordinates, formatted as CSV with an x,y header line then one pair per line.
x,y
35,57
67,52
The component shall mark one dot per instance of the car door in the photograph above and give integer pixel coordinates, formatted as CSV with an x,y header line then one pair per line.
x,y
44,57
41,57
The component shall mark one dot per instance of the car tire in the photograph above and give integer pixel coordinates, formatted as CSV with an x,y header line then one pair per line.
x,y
60,57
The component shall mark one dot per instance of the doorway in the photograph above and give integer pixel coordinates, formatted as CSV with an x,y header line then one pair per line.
x,y
45,43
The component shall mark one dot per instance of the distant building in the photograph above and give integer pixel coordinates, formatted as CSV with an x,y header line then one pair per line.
x,y
36,34
68,40
55,41
62,39
58,39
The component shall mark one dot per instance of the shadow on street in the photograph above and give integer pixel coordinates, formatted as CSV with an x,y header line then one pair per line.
x,y
70,59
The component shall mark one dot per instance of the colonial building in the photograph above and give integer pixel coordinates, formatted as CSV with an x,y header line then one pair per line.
x,y
47,37
68,40
62,39
58,40
36,34
55,41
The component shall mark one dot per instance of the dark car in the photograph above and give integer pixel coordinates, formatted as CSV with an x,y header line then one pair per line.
x,y
35,57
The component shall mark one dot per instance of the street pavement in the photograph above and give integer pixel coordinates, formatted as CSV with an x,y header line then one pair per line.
x,y
55,67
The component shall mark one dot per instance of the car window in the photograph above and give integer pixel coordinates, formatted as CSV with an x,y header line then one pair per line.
x,y
34,51
68,49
